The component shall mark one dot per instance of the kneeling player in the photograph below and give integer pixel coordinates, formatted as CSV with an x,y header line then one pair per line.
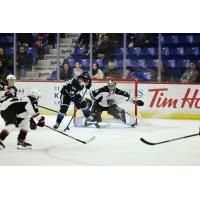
x,y
105,99
16,113
71,93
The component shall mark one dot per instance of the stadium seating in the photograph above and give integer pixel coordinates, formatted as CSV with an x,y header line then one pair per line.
x,y
192,51
100,62
165,51
70,61
169,63
176,52
149,52
171,40
79,53
53,75
183,63
134,52
186,39
6,39
197,39
138,63
151,63
9,50
85,63
144,76
32,52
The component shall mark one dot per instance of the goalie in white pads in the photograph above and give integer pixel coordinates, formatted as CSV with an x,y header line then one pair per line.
x,y
106,99
16,113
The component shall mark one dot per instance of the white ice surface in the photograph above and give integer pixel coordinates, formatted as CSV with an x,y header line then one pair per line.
x,y
117,145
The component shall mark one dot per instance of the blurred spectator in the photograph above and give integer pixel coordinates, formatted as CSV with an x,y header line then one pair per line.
x,y
104,47
77,70
66,72
2,70
191,75
116,39
165,72
3,57
25,39
39,44
96,71
24,61
128,73
111,71
84,40
51,39
140,40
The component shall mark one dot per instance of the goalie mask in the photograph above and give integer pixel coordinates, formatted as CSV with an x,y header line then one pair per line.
x,y
112,85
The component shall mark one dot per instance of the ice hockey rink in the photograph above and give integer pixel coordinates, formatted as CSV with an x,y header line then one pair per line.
x,y
117,145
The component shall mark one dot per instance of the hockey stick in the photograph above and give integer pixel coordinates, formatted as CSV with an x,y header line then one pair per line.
x,y
84,142
171,140
48,109
67,127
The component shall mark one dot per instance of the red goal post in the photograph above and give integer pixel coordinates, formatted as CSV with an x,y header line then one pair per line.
x,y
129,85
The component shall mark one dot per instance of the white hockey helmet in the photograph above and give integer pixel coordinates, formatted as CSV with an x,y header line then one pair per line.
x,y
112,85
10,77
35,93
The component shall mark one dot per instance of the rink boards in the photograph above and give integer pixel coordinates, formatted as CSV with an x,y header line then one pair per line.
x,y
161,100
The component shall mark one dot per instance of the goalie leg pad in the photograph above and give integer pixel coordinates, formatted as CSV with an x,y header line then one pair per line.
x,y
120,113
117,112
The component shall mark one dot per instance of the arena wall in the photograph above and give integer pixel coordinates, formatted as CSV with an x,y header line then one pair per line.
x,y
161,100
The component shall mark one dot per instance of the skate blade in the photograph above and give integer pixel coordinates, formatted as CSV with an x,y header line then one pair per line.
x,y
24,148
2,148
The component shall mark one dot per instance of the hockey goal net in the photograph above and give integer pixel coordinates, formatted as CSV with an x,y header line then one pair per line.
x,y
130,86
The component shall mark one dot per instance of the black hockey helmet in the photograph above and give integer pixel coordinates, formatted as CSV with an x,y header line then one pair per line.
x,y
85,77
112,85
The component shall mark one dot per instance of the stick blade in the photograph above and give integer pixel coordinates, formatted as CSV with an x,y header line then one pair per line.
x,y
90,140
146,142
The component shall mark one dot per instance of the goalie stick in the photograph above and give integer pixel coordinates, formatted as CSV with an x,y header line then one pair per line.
x,y
171,140
84,142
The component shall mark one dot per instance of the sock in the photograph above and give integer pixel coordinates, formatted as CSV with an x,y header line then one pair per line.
x,y
22,135
86,112
60,117
4,133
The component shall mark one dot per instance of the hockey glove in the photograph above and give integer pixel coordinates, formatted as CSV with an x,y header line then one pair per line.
x,y
41,122
88,85
8,93
33,125
138,102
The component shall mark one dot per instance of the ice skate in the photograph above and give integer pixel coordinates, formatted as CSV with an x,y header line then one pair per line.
x,y
21,145
90,121
2,146
56,125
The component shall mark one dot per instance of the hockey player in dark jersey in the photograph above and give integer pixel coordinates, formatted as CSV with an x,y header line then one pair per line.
x,y
71,93
106,99
7,88
16,113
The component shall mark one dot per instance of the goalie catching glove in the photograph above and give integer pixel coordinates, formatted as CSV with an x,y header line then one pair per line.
x,y
138,102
